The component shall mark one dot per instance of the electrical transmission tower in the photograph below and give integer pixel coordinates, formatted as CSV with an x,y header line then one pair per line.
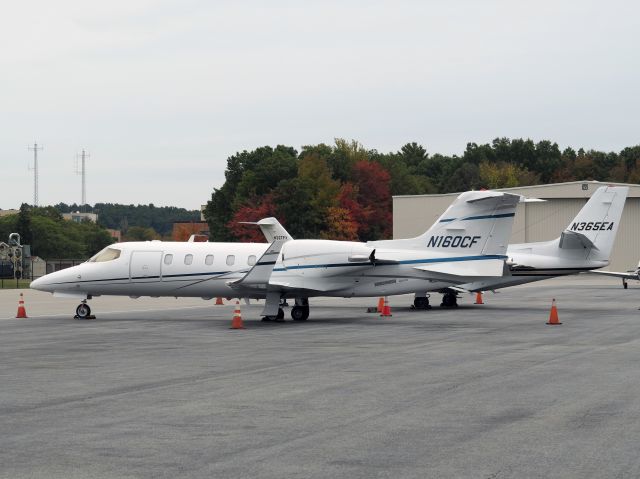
x,y
82,171
35,149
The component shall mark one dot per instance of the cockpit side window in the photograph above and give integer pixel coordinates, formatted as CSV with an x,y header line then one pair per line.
x,y
107,254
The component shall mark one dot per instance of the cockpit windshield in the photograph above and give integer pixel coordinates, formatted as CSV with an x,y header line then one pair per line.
x,y
107,254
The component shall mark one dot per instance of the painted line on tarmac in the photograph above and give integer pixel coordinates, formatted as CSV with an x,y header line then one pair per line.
x,y
111,312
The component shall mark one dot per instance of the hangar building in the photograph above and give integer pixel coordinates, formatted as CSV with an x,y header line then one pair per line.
x,y
414,214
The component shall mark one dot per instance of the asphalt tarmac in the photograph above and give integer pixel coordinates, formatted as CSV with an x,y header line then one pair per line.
x,y
162,388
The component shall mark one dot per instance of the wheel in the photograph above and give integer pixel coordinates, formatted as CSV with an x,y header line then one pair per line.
x,y
83,311
300,313
624,284
449,300
421,302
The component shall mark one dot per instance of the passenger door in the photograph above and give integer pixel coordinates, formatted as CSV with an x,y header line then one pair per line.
x,y
145,266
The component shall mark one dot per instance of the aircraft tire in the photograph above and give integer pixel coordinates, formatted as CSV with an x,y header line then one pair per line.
x,y
449,300
83,311
421,303
300,313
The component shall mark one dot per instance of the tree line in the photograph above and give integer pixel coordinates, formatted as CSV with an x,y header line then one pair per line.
x,y
137,222
343,191
52,237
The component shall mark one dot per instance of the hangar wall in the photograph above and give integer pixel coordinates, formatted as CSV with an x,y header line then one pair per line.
x,y
413,215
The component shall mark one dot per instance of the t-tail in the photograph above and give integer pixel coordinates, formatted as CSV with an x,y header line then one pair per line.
x,y
476,223
585,244
595,227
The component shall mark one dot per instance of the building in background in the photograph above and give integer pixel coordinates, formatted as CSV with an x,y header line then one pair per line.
x,y
414,214
80,217
8,212
115,234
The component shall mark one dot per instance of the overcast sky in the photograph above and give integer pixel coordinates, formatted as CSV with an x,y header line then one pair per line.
x,y
162,92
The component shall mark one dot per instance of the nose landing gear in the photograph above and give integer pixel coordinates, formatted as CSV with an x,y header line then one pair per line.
x,y
83,311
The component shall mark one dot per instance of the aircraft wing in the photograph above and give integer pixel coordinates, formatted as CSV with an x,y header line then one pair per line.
x,y
484,267
309,287
258,276
615,274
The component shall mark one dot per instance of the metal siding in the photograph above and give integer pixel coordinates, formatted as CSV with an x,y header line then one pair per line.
x,y
545,221
626,250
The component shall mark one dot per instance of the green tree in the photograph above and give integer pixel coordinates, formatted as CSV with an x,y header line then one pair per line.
x,y
23,224
140,233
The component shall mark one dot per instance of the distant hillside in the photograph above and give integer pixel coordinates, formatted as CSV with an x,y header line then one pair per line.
x,y
123,217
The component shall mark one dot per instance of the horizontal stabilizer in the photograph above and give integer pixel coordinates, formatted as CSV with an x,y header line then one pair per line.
x,y
575,240
271,229
485,267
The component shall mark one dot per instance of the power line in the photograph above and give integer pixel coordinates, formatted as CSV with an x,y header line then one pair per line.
x,y
35,149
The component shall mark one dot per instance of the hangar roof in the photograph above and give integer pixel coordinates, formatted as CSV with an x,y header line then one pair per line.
x,y
570,189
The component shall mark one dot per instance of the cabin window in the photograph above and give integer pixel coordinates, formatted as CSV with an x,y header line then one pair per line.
x,y
252,260
107,254
188,259
230,260
208,260
168,259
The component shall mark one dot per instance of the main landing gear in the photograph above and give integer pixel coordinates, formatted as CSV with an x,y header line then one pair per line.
x,y
278,317
421,302
83,311
300,312
449,300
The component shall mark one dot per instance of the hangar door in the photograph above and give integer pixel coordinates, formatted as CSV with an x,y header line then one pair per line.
x,y
145,266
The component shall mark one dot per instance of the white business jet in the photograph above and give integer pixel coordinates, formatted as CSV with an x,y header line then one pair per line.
x,y
584,245
468,241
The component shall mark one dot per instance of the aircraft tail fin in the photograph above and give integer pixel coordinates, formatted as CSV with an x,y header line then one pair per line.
x,y
271,229
595,226
476,223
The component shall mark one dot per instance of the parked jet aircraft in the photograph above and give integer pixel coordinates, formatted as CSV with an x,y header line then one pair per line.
x,y
631,274
584,245
468,241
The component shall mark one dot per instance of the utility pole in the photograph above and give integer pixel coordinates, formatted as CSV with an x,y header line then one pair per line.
x,y
35,149
83,172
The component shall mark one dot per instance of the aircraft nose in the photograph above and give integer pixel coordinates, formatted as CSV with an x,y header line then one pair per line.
x,y
41,284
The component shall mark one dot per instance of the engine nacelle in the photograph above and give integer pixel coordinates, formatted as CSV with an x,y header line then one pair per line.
x,y
323,257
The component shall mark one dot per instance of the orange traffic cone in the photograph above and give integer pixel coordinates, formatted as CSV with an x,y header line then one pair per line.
x,y
478,298
219,301
236,322
22,313
553,315
380,304
386,309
